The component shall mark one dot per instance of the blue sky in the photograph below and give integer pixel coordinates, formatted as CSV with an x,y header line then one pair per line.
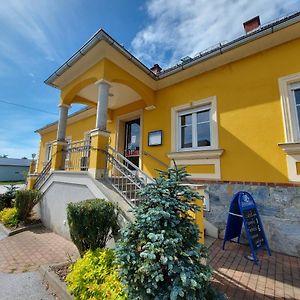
x,y
37,36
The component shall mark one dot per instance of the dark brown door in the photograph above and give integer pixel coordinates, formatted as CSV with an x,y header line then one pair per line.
x,y
132,141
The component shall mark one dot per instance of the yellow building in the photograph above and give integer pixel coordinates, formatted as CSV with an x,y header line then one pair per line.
x,y
231,115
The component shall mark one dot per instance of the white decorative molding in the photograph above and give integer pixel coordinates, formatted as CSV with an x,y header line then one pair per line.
x,y
150,107
291,127
290,148
292,151
200,154
197,162
292,167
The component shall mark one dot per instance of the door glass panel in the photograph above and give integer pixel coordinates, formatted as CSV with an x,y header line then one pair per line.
x,y
132,141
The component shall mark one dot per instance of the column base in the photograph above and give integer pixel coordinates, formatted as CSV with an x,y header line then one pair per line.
x,y
31,179
99,142
58,159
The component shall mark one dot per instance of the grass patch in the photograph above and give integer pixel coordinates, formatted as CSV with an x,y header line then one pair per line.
x,y
11,182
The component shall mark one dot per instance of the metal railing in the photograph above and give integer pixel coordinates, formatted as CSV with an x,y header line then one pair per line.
x,y
42,177
125,177
77,156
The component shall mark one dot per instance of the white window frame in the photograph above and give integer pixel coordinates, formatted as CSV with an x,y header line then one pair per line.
x,y
195,106
194,112
286,86
48,151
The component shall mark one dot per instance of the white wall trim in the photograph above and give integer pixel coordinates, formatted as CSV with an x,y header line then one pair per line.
x,y
289,113
215,162
213,153
292,167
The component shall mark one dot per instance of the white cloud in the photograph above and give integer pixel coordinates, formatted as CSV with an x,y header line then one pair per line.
x,y
178,28
31,22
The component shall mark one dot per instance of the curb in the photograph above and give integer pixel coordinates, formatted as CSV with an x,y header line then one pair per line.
x,y
55,284
9,232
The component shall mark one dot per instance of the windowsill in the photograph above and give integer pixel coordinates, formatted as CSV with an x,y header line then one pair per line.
x,y
291,148
194,154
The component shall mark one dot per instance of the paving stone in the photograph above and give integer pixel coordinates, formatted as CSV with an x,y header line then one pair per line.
x,y
275,277
30,249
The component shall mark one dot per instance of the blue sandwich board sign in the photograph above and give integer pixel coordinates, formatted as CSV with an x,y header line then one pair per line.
x,y
243,211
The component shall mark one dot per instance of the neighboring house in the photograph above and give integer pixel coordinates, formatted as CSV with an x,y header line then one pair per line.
x,y
230,115
13,169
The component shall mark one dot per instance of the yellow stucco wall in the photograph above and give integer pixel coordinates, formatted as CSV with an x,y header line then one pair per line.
x,y
250,121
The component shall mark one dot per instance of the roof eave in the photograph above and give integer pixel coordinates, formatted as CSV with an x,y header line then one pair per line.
x,y
100,35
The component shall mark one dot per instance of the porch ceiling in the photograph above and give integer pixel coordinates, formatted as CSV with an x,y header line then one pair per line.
x,y
120,94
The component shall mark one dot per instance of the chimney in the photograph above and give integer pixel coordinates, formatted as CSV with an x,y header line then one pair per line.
x,y
156,69
252,24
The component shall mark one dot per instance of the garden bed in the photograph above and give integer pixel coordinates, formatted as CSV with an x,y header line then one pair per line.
x,y
54,277
9,231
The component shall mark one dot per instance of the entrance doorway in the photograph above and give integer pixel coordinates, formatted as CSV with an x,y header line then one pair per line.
x,y
132,142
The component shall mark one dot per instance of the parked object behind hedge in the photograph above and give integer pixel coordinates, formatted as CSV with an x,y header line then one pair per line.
x,y
24,203
91,223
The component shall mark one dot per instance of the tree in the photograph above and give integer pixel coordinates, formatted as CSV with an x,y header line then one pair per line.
x,y
159,253
3,156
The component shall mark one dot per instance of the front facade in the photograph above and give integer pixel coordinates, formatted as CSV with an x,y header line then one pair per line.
x,y
231,115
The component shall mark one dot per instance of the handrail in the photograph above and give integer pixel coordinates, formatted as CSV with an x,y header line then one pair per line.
x,y
123,158
78,155
126,178
156,159
43,175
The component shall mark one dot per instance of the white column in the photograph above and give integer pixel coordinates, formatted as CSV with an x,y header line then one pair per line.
x,y
103,93
62,122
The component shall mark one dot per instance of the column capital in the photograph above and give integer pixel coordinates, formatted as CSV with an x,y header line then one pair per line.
x,y
103,82
64,105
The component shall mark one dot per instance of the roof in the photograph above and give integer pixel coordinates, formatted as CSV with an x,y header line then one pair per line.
x,y
76,113
18,162
203,55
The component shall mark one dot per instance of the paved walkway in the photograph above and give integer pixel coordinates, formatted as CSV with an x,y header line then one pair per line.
x,y
23,286
28,250
276,277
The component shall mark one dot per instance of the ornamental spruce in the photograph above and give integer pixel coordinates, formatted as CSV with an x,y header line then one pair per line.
x,y
159,253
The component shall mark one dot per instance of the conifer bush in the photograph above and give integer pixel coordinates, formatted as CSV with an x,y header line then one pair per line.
x,y
91,223
159,254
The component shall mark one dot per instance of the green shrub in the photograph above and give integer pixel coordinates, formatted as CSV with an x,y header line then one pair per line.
x,y
91,222
159,253
6,199
9,217
95,276
25,201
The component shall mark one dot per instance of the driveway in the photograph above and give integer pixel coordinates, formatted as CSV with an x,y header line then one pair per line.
x,y
20,257
23,286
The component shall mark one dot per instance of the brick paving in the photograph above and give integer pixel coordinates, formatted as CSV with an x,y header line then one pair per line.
x,y
28,250
276,277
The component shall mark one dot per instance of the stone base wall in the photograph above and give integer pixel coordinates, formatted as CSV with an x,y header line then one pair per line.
x,y
278,206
